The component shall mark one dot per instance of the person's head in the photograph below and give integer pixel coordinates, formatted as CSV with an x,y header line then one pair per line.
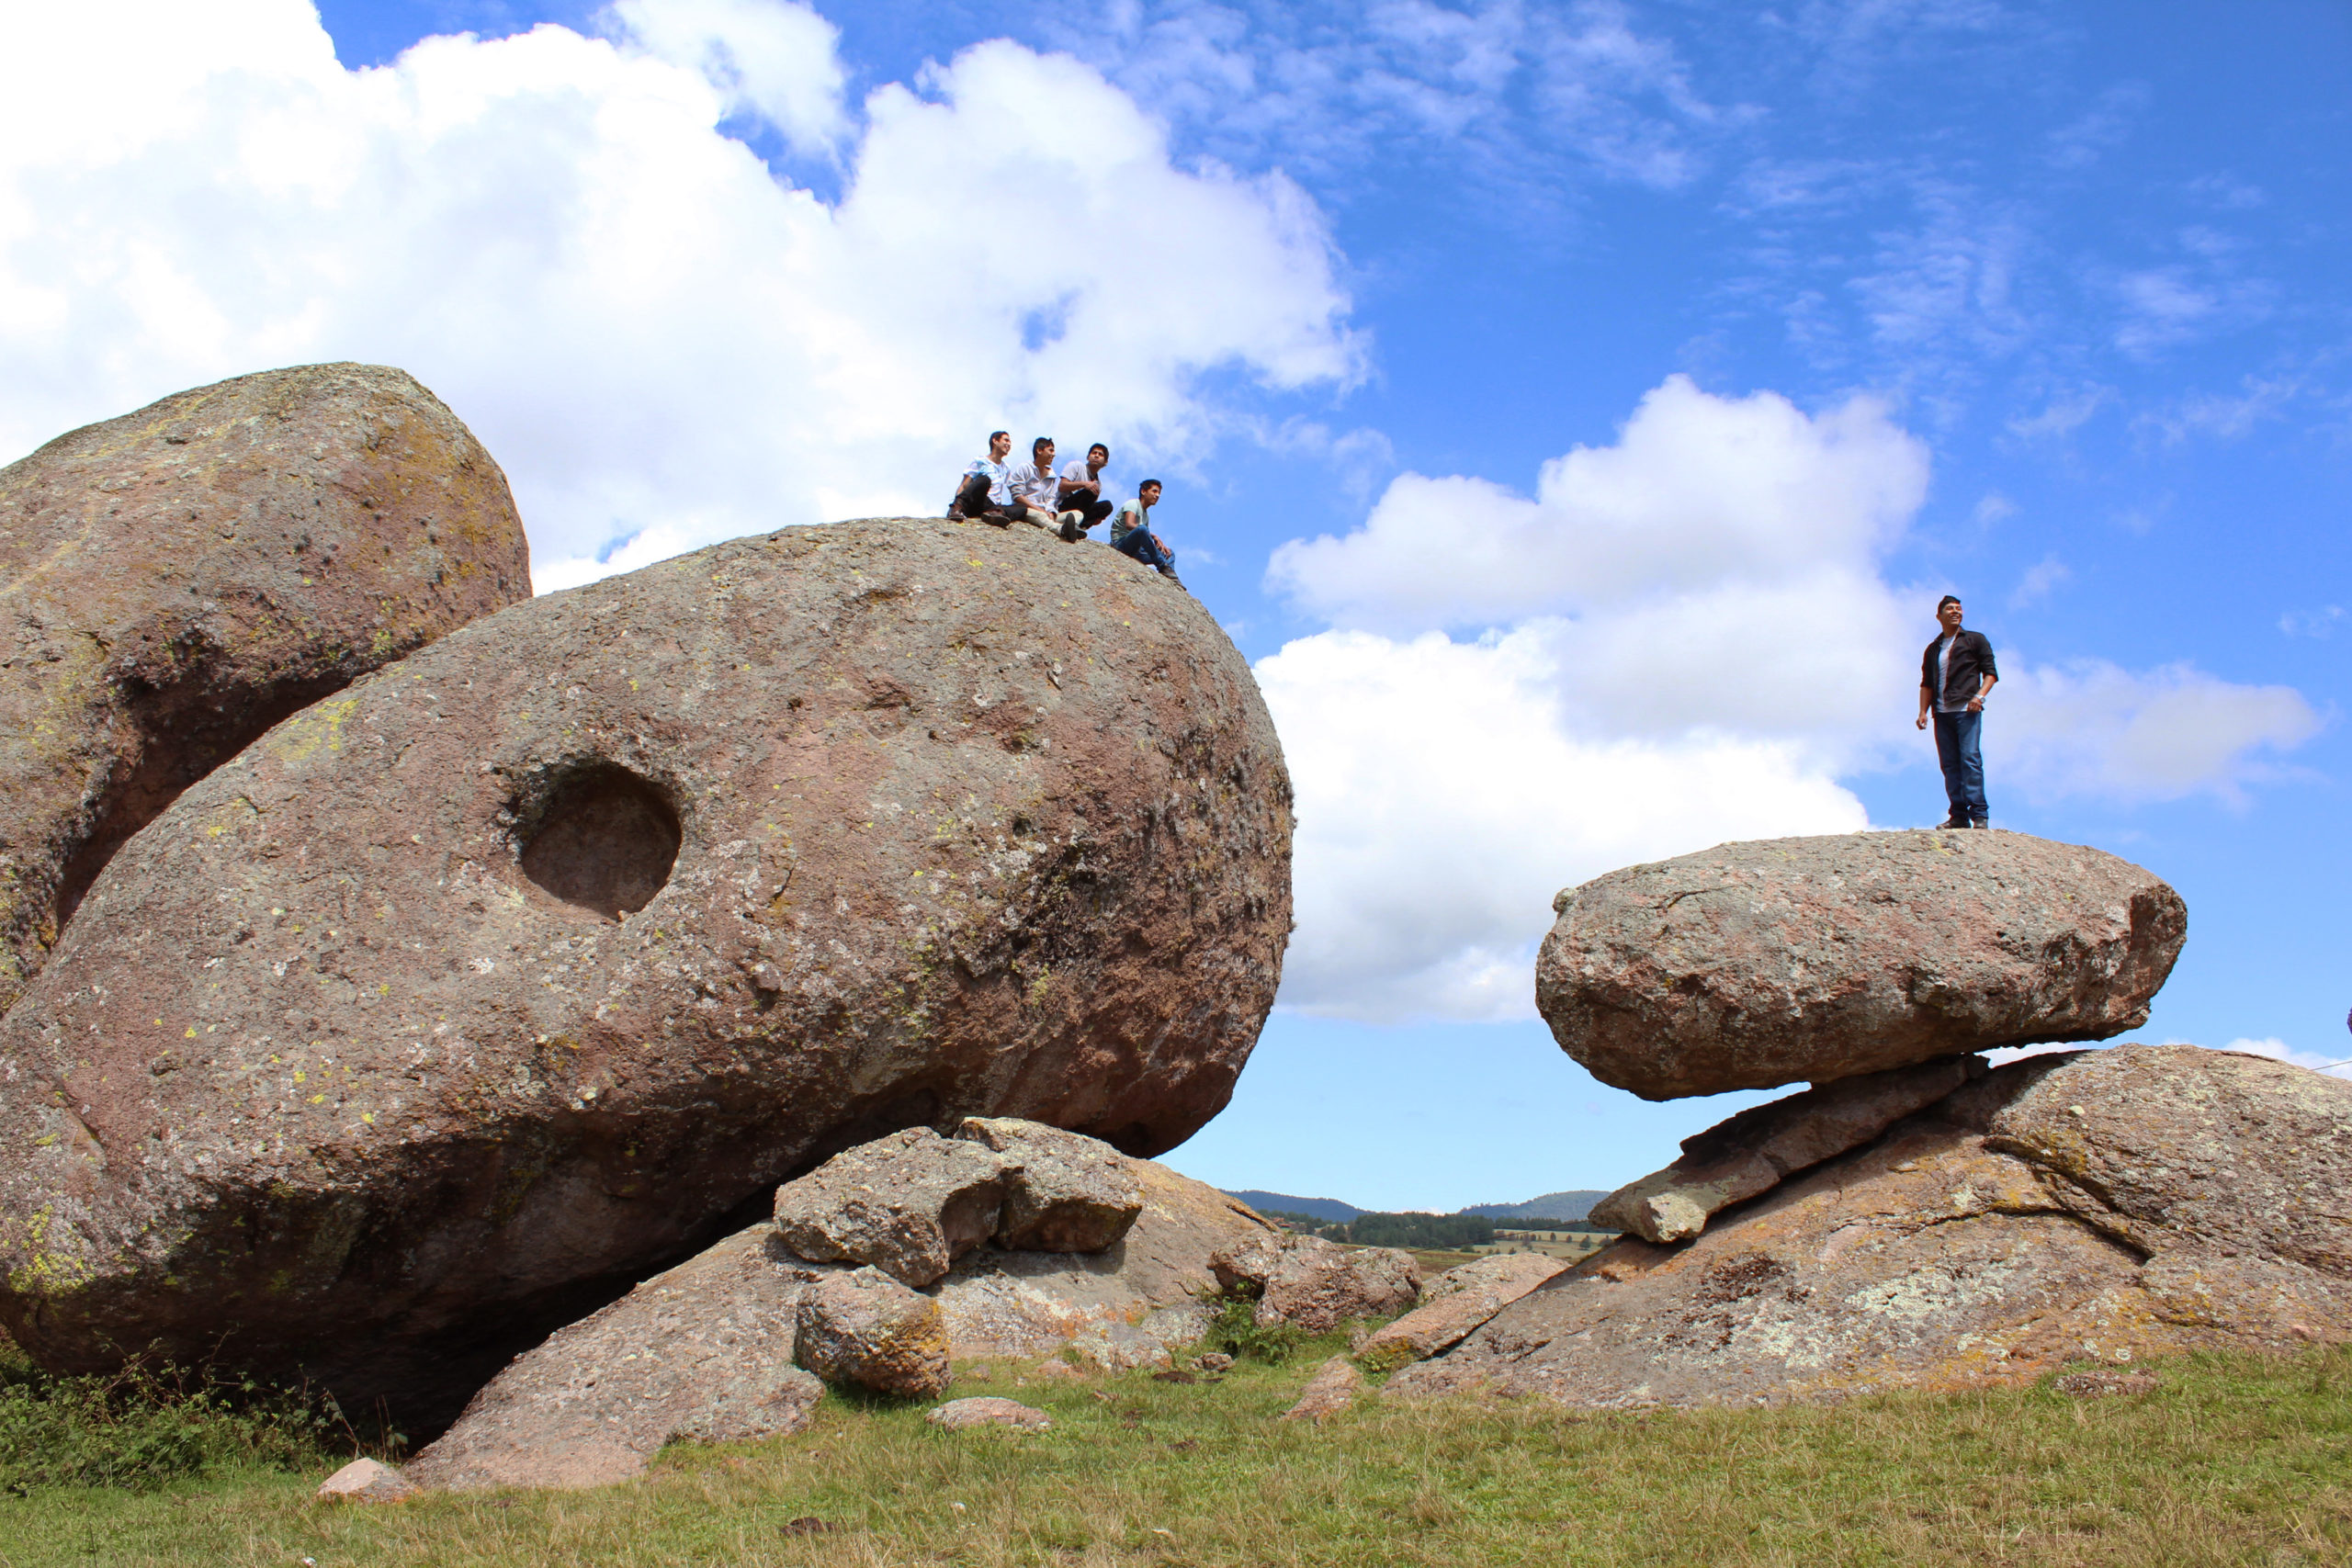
x,y
1098,455
1149,492
999,443
1041,451
1948,612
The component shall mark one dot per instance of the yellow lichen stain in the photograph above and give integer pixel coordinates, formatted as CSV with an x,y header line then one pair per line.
x,y
300,738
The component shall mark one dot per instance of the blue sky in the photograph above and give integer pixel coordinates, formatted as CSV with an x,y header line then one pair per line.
x,y
1574,409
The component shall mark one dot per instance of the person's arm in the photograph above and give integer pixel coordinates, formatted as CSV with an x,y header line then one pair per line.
x,y
1992,677
1926,699
1927,692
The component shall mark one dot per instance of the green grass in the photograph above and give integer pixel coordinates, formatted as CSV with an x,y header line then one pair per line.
x,y
2232,1460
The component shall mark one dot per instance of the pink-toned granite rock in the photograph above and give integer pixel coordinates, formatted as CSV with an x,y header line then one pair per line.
x,y
1457,1302
1755,965
1318,1284
986,1411
909,1204
1333,1389
367,1481
174,581
1756,1150
864,1327
525,968
1064,1192
2112,1206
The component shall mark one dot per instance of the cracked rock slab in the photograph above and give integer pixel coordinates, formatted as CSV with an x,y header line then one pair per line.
x,y
1751,965
1755,1151
1457,1302
2054,1210
1064,1192
909,1204
701,1351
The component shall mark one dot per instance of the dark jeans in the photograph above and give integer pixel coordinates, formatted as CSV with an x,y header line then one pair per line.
x,y
1957,735
1095,509
1145,549
974,501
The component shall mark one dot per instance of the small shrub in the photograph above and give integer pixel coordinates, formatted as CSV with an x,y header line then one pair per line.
x,y
143,1426
1235,1329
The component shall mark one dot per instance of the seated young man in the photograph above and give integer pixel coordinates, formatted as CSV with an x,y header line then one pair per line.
x,y
1131,532
1036,490
1082,490
985,494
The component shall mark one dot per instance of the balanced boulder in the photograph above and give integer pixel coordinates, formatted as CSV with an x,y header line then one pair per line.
x,y
1756,965
909,1204
703,1351
864,1327
2108,1205
174,581
1064,1192
529,966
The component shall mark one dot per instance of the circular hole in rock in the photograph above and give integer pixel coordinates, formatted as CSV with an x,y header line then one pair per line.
x,y
606,842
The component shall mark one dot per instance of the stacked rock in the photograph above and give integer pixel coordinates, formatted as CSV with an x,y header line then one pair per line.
x,y
1874,964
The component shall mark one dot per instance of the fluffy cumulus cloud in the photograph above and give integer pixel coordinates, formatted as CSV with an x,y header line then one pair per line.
x,y
1681,637
664,342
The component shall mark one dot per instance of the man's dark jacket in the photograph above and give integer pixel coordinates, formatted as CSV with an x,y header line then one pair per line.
x,y
1972,661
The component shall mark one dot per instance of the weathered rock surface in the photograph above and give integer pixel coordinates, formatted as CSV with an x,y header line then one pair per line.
x,y
174,581
864,1327
909,1204
2112,1205
367,1481
703,1351
1758,1149
348,1067
1319,1284
1457,1302
1033,1303
1757,964
987,1411
1066,1193
1331,1390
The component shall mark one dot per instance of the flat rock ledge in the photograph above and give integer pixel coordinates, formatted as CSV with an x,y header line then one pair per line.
x,y
983,1410
1751,965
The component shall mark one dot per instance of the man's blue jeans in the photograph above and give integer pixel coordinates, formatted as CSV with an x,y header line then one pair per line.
x,y
1957,735
1140,545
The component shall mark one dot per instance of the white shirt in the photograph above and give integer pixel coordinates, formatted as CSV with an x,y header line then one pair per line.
x,y
1075,472
1036,487
995,471
1943,674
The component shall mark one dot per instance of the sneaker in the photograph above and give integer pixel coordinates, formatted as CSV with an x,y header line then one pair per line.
x,y
1071,532
1983,823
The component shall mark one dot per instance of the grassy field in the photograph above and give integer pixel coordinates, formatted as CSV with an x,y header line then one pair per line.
x,y
2229,1460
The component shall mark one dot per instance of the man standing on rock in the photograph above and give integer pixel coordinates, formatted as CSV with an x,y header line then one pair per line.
x,y
1082,491
1955,676
986,493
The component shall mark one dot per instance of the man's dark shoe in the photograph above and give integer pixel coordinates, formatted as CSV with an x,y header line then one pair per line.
x,y
1072,530
1982,822
1949,823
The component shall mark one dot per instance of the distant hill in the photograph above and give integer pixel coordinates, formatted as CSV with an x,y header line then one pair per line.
x,y
1330,1210
1550,1206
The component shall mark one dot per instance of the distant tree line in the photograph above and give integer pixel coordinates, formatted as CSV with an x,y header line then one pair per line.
x,y
1431,1233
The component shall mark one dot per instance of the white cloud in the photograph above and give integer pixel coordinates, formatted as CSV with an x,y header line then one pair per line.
x,y
1441,803
663,343
2279,1050
1698,491
2038,579
2320,623
2089,728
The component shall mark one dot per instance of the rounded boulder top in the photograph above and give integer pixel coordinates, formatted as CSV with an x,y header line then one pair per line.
x,y
1750,965
176,581
521,966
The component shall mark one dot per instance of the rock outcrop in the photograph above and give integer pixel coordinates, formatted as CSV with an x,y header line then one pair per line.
x,y
1457,1301
174,581
1317,1284
1064,1193
958,1415
909,1204
367,1481
1758,1149
864,1327
703,1351
1331,1390
347,1066
2111,1205
1757,964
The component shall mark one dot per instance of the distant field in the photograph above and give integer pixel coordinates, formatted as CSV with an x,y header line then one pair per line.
x,y
2231,1460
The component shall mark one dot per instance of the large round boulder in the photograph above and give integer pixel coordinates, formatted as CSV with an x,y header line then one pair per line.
x,y
467,997
174,581
1757,964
